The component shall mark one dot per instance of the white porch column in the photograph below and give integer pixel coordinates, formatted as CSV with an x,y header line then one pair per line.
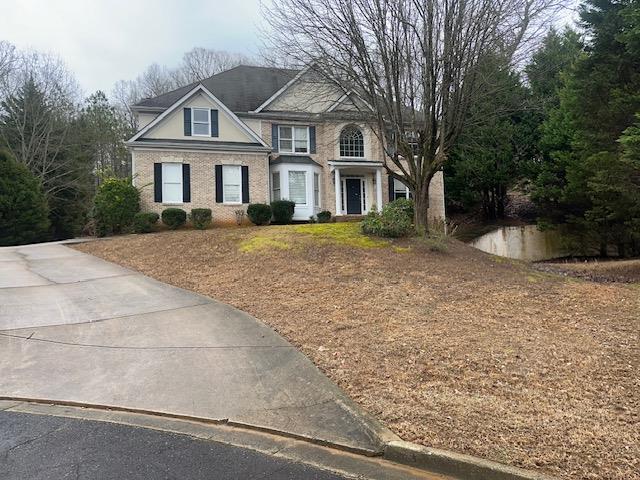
x,y
379,189
338,191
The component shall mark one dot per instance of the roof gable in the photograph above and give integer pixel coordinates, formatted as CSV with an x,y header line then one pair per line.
x,y
169,124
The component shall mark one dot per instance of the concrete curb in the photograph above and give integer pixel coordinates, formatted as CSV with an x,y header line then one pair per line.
x,y
453,464
428,460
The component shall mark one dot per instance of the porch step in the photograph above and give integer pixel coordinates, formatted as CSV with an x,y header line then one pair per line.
x,y
349,218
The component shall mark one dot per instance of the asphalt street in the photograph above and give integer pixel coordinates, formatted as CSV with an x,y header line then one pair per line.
x,y
48,447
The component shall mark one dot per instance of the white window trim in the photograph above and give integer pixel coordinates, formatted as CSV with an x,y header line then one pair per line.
x,y
164,176
193,122
364,146
293,140
306,186
224,193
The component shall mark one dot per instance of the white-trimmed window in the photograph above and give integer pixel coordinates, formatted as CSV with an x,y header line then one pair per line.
x,y
275,186
293,139
172,183
351,142
316,190
232,184
298,187
201,122
400,190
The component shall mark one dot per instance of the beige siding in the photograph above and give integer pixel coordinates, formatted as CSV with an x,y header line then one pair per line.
x,y
172,126
309,94
145,118
202,179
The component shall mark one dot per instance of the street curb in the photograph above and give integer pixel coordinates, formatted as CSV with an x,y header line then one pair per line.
x,y
453,464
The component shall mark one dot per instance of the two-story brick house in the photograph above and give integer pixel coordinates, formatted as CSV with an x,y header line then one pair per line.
x,y
257,134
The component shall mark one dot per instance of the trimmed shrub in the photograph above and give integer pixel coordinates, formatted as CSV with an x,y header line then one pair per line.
x,y
324,216
201,217
143,222
174,218
283,211
115,204
23,207
395,220
259,213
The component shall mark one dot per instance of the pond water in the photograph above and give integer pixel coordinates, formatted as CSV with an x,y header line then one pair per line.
x,y
522,243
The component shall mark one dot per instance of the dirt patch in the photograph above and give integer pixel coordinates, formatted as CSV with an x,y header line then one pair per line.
x,y
622,271
456,350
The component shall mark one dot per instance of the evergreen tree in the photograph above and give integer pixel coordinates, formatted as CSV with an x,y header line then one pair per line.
x,y
580,183
23,207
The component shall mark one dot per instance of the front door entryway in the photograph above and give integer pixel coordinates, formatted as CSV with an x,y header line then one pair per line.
x,y
354,196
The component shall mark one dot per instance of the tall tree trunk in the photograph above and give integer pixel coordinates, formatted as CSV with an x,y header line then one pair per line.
x,y
421,209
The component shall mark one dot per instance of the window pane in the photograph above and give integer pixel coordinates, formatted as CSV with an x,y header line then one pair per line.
x,y
351,142
285,145
298,187
172,193
316,190
232,193
398,186
201,128
301,133
172,172
231,177
285,133
200,115
301,146
276,179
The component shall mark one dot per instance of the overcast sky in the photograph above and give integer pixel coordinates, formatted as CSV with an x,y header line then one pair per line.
x,y
103,41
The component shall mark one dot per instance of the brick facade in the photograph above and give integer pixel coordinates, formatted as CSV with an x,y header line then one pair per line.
x,y
202,179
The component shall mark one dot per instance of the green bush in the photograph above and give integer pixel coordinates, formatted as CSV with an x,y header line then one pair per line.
x,y
324,216
259,213
395,220
115,204
174,217
201,217
283,211
143,222
23,207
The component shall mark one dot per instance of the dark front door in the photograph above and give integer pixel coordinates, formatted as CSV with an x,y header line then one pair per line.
x,y
354,195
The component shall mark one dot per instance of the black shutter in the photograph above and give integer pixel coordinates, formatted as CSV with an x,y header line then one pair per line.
x,y
218,175
312,139
274,137
245,184
214,123
187,122
391,190
186,182
157,182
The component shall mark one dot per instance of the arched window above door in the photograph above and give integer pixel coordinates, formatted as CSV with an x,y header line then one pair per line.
x,y
351,142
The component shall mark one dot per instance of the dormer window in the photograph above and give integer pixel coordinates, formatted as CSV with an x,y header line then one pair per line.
x,y
201,122
293,139
351,142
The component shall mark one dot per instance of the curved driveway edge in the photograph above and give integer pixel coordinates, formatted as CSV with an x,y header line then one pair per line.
x,y
78,329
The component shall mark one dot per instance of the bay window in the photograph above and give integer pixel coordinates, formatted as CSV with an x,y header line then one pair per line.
x,y
298,187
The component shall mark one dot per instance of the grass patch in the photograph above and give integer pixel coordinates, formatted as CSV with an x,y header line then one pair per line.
x,y
344,233
263,242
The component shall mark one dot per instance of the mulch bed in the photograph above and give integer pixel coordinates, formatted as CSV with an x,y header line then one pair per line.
x,y
456,350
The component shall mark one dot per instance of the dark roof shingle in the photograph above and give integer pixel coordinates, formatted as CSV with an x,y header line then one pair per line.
x,y
242,89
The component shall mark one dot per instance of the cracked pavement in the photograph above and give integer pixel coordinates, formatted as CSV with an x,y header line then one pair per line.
x,y
77,329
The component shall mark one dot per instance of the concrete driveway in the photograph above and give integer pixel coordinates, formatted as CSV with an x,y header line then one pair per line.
x,y
77,329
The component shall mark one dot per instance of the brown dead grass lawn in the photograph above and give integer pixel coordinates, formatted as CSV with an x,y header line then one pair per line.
x,y
457,350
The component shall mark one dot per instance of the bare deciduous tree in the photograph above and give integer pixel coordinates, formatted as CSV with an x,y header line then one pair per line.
x,y
415,62
200,63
